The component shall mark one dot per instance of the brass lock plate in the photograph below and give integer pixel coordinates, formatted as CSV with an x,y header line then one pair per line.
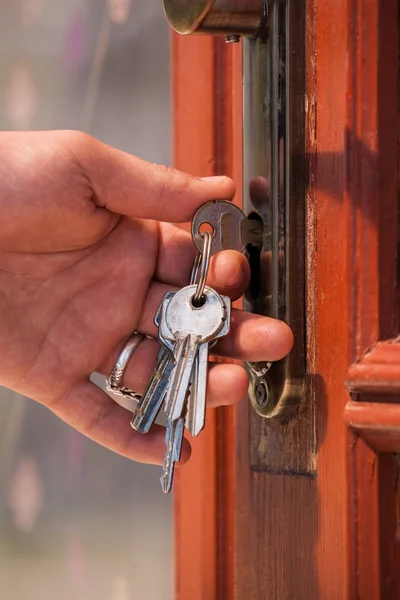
x,y
282,424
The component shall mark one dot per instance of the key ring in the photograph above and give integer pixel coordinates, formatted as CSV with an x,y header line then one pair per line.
x,y
195,269
201,268
115,381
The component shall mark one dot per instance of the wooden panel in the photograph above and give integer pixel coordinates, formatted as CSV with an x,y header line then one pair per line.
x,y
371,158
207,92
378,424
332,537
371,190
352,208
195,484
378,371
228,154
376,573
292,531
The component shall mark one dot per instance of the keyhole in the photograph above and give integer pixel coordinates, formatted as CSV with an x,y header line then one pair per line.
x,y
254,257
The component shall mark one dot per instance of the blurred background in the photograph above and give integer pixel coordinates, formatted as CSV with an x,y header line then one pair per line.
x,y
77,521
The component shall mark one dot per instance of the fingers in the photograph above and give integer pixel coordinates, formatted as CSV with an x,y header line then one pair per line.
x,y
129,186
140,366
259,190
227,384
176,255
92,412
229,270
251,338
255,338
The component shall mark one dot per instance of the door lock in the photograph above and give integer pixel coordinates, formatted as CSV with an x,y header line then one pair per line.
x,y
217,17
273,221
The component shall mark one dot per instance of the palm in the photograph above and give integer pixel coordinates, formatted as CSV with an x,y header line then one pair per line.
x,y
87,301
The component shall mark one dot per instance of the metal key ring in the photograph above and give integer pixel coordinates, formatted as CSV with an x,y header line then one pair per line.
x,y
201,268
195,269
115,381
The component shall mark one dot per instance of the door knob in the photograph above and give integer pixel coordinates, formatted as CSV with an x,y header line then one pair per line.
x,y
232,18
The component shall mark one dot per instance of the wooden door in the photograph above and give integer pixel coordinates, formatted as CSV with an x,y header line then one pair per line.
x,y
245,531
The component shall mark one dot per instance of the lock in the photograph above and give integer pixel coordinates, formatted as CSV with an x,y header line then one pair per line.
x,y
273,197
217,17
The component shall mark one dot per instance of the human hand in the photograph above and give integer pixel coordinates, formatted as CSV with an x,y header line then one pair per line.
x,y
87,251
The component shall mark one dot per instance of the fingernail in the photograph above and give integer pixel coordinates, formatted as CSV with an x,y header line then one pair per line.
x,y
214,179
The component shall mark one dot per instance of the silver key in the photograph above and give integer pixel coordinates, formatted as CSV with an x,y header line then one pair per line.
x,y
232,230
196,415
188,327
154,394
173,440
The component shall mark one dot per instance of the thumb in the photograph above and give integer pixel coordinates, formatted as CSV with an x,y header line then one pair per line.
x,y
129,186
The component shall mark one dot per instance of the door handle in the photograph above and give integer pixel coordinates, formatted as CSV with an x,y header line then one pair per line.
x,y
217,17
273,173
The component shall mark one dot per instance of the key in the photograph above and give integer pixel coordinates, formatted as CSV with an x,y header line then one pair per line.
x,y
157,316
154,394
188,327
232,230
153,397
196,415
173,441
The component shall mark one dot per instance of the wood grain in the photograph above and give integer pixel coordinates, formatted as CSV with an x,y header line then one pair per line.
x,y
295,528
377,573
207,141
195,483
371,191
249,535
347,515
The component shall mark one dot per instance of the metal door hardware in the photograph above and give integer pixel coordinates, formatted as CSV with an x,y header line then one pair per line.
x,y
274,183
217,17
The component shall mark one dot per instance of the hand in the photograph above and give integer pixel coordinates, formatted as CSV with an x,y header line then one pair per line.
x,y
86,253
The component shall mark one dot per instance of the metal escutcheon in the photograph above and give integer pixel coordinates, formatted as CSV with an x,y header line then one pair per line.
x,y
271,230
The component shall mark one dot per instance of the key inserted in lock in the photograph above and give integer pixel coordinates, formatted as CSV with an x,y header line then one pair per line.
x,y
271,391
232,230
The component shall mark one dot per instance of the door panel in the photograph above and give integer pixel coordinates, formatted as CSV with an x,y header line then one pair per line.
x,y
372,193
334,533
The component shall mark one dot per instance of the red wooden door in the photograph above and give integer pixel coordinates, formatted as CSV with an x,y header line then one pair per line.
x,y
249,533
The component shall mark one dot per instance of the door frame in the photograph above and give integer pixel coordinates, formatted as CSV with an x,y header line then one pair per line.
x,y
207,118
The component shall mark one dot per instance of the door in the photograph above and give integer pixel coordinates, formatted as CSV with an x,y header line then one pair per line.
x,y
307,507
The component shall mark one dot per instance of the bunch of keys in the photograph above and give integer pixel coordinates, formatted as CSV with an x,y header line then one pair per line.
x,y
189,322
